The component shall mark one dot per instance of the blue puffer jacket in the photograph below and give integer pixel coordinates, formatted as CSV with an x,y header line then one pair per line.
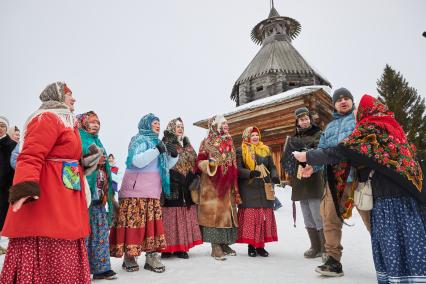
x,y
337,130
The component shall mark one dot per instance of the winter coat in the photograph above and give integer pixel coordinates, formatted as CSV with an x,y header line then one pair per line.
x,y
143,179
48,166
337,130
312,187
6,175
14,156
252,190
214,212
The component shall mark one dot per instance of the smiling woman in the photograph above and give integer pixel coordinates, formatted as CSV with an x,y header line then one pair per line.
x,y
42,222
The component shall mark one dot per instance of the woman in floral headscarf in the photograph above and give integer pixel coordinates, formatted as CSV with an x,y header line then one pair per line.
x,y
139,224
398,217
102,195
219,196
179,211
47,221
256,217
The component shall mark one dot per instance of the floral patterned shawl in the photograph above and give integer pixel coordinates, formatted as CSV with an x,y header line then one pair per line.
x,y
220,147
379,138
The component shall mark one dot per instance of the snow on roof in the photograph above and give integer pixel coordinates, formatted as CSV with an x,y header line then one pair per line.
x,y
280,97
275,99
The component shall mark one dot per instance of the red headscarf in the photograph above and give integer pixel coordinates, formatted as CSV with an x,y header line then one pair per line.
x,y
378,137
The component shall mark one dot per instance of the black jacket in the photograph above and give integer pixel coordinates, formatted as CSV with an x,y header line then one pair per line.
x,y
312,187
6,175
252,191
180,195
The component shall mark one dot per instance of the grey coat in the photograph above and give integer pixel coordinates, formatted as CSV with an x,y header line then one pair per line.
x,y
252,191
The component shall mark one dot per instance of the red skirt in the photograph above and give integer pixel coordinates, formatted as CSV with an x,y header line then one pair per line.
x,y
137,228
182,229
45,260
256,226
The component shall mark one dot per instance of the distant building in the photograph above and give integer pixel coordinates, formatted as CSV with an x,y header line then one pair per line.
x,y
276,82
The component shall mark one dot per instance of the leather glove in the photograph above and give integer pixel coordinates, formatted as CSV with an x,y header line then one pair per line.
x,y
254,174
161,148
171,148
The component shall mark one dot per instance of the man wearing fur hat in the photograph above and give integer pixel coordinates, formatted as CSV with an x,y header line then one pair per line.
x,y
338,129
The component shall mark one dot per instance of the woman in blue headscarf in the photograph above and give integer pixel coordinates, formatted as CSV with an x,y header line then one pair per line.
x,y
139,225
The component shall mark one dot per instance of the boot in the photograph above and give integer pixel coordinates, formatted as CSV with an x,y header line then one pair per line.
x,y
166,254
153,263
322,244
130,264
181,254
262,252
107,275
217,252
252,251
331,268
227,250
315,249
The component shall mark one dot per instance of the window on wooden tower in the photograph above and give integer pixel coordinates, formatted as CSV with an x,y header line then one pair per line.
x,y
260,88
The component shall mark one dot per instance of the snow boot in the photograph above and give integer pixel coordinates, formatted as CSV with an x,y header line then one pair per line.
x,y
107,275
217,252
262,252
331,268
181,254
130,264
166,254
227,250
315,249
252,251
153,263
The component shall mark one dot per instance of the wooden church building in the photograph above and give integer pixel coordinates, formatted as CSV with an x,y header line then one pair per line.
x,y
275,83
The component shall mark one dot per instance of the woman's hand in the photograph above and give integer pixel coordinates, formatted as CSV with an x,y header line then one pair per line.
x,y
18,204
300,156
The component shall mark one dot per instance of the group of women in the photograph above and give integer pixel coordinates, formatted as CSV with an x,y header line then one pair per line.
x,y
63,222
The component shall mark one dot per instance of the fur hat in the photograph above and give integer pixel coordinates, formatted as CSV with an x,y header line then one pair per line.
x,y
5,121
342,92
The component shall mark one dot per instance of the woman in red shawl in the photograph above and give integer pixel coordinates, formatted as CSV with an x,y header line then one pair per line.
x,y
217,212
47,222
379,149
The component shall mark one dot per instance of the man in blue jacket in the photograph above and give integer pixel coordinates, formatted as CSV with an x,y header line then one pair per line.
x,y
338,129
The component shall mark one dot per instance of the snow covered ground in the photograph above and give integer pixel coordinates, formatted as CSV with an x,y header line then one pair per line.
x,y
284,265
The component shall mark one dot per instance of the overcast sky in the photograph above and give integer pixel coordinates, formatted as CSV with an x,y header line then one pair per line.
x,y
124,59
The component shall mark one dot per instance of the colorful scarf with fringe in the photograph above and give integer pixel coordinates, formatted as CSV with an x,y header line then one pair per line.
x,y
250,150
187,154
147,139
88,139
220,147
379,137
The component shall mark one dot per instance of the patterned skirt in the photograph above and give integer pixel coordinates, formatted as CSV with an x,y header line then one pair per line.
x,y
137,228
398,238
181,228
256,226
98,242
45,260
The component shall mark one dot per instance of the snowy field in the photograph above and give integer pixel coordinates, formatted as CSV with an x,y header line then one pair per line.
x,y
284,265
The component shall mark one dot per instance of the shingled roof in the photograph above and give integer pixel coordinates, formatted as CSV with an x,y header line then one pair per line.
x,y
277,56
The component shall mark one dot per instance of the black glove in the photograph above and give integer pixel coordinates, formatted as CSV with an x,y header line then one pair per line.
x,y
254,174
276,180
161,148
171,148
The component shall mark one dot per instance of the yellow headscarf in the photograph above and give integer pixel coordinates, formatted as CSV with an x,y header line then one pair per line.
x,y
249,150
